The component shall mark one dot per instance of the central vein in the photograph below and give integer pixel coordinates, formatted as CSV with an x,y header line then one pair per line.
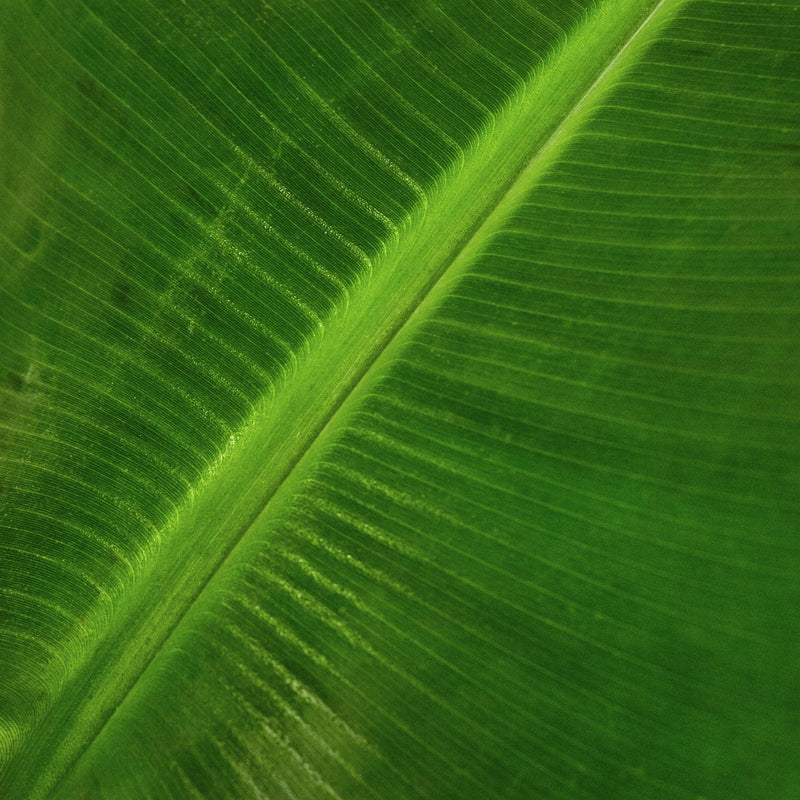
x,y
283,435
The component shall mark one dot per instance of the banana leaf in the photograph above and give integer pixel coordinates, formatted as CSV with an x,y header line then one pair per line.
x,y
399,399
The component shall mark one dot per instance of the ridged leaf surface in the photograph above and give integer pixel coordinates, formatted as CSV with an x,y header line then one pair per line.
x,y
399,400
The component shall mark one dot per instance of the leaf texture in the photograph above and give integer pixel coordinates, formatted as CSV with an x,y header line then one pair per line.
x,y
399,400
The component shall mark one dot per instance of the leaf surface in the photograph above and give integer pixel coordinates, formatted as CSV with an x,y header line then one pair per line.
x,y
399,400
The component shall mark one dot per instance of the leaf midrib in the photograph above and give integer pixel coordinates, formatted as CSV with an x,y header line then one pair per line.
x,y
497,167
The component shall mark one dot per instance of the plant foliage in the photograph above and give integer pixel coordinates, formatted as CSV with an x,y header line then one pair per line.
x,y
399,399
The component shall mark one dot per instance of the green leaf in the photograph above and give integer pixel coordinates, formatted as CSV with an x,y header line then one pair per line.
x,y
399,400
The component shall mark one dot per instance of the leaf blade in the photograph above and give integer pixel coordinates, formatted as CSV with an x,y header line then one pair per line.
x,y
595,297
